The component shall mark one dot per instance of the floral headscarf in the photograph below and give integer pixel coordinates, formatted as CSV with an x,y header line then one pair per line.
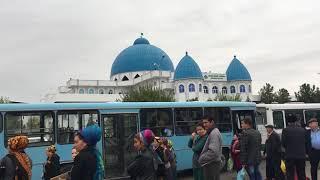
x,y
17,145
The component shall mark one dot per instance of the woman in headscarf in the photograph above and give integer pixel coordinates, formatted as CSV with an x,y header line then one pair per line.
x,y
88,164
52,166
143,166
17,163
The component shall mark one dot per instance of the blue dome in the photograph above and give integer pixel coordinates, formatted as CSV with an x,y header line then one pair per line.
x,y
141,40
237,71
141,56
187,69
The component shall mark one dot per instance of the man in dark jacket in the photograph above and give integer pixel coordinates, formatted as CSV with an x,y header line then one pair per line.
x,y
250,149
294,141
313,142
273,154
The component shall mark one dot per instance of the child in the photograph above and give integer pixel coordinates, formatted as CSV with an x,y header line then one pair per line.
x,y
196,142
143,165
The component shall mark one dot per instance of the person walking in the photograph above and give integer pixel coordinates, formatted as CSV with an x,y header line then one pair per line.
x,y
273,154
143,166
313,149
197,142
17,165
250,149
294,141
52,166
235,153
210,157
88,164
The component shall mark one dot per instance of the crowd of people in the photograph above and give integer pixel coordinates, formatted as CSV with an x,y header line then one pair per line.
x,y
87,165
156,158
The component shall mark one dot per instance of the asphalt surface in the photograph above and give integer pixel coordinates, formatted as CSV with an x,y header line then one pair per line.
x,y
233,175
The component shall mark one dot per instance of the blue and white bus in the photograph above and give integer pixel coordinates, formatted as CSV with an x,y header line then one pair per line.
x,y
56,123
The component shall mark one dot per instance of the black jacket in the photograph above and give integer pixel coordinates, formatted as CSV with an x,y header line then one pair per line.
x,y
295,142
85,165
273,146
250,147
52,169
142,168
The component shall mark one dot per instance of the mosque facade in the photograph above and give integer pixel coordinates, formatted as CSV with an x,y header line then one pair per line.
x,y
144,64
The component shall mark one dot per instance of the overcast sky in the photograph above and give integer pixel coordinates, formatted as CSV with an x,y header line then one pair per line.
x,y
43,43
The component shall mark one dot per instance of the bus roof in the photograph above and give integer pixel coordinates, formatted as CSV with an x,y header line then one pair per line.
x,y
120,105
290,106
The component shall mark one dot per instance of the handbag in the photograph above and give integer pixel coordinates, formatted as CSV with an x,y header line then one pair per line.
x,y
230,164
241,174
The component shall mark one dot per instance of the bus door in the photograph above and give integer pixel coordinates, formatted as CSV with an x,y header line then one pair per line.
x,y
118,134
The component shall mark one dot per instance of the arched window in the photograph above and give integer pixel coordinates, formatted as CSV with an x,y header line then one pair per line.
x,y
110,91
181,88
191,88
137,75
224,90
91,91
242,89
101,91
81,91
205,89
215,90
232,89
200,88
249,88
125,78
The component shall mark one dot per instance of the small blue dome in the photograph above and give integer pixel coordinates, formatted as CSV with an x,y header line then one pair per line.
x,y
141,40
141,56
187,69
237,71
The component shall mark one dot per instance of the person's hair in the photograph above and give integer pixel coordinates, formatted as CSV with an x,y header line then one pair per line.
x,y
247,121
313,120
209,118
200,124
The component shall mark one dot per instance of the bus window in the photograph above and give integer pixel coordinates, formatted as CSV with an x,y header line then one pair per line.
x,y
238,116
186,119
261,116
70,122
222,118
88,118
38,126
298,113
312,114
278,120
158,120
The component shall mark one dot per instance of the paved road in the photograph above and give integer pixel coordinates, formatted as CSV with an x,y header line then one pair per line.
x,y
232,176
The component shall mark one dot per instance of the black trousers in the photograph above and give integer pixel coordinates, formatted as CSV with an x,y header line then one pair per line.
x,y
273,170
314,157
298,165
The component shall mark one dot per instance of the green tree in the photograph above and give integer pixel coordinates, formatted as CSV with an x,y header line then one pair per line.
x,y
224,97
148,94
282,96
4,100
307,93
266,94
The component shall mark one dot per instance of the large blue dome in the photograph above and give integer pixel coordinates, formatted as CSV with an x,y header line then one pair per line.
x,y
237,71
187,69
141,56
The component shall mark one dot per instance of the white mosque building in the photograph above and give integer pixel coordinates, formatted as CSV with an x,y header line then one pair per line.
x,y
145,64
